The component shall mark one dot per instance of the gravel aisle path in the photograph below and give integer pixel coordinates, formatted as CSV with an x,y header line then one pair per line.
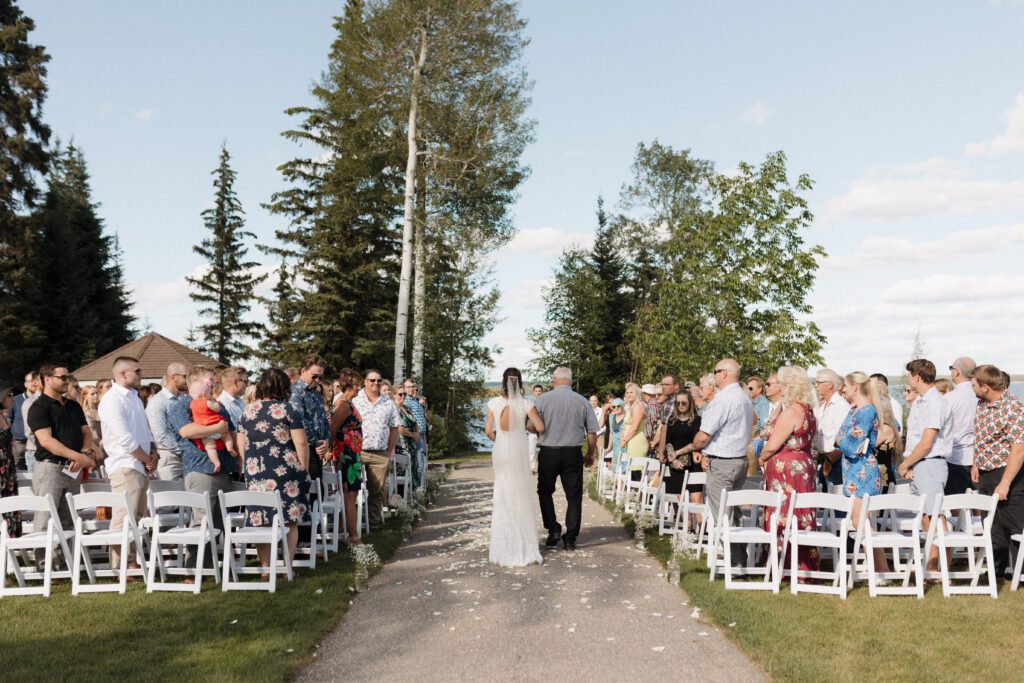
x,y
440,612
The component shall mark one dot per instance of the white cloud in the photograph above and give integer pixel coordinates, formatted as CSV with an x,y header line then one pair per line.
x,y
1010,141
146,115
923,188
953,288
547,241
756,115
959,244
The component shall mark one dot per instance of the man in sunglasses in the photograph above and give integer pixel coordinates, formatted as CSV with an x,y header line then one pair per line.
x,y
308,400
380,434
63,445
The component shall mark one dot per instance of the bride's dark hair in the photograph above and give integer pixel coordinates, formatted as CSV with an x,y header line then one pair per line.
x,y
513,373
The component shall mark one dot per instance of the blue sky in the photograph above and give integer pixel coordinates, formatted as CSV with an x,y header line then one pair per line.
x,y
909,116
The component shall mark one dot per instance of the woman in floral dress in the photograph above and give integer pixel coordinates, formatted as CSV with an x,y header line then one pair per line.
x,y
408,435
786,457
8,474
347,428
275,450
861,431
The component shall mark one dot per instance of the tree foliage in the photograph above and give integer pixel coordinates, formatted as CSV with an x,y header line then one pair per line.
x,y
227,287
283,342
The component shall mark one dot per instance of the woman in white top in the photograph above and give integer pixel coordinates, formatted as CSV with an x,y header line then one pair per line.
x,y
513,515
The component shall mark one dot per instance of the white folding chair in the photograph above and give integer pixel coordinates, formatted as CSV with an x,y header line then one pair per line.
x,y
1019,564
404,479
305,555
876,529
651,486
127,536
275,535
332,510
967,536
53,537
635,486
726,534
693,518
181,535
834,538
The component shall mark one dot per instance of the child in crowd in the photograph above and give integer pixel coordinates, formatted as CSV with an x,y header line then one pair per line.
x,y
206,412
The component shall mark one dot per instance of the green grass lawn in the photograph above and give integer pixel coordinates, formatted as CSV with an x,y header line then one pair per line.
x,y
820,637
214,636
463,457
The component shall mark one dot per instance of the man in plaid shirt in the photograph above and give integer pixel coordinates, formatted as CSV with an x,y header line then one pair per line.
x,y
998,456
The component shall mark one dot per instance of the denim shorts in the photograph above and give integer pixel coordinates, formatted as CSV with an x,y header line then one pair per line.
x,y
929,480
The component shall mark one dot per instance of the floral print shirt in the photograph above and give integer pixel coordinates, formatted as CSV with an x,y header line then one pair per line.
x,y
309,404
998,426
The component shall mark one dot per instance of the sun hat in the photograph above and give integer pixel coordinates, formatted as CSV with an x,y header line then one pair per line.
x,y
649,389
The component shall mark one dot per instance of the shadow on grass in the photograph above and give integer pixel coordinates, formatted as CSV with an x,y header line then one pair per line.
x,y
810,637
213,636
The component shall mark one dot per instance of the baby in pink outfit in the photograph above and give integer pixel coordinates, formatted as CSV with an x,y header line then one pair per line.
x,y
206,412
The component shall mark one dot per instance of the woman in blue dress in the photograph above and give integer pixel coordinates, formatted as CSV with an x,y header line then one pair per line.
x,y
858,441
615,421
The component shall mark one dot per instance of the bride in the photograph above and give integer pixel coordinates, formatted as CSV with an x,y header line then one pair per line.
x,y
513,516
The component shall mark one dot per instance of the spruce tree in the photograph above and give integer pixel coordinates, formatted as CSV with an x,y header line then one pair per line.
x,y
23,156
227,288
283,342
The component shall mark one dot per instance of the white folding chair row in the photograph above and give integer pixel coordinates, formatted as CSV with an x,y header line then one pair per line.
x,y
53,538
179,536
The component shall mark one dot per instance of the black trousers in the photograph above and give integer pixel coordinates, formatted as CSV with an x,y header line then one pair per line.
x,y
1009,514
567,463
959,479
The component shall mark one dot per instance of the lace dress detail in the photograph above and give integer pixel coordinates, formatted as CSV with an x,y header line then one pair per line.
x,y
514,509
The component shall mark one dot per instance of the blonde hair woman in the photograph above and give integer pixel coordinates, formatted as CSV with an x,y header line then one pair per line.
x,y
858,439
786,457
633,439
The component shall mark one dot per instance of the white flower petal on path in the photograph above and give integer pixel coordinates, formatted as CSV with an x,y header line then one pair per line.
x,y
702,633
658,648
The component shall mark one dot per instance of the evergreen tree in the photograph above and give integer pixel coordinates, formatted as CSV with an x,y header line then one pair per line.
x,y
82,308
23,156
283,342
227,288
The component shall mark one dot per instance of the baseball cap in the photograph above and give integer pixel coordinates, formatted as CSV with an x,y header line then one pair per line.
x,y
618,402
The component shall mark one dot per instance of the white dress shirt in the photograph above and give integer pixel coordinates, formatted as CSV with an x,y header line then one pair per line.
x,y
125,428
963,405
233,404
830,418
897,413
728,420
930,411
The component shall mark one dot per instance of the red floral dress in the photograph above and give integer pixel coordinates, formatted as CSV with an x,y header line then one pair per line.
x,y
789,471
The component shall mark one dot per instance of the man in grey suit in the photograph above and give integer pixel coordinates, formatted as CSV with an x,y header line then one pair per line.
x,y
568,418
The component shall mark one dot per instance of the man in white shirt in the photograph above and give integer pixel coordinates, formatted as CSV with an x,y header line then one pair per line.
x,y
234,381
380,434
929,442
721,444
128,441
963,405
158,412
830,415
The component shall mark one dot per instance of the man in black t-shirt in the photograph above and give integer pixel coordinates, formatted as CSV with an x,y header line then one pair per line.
x,y
63,440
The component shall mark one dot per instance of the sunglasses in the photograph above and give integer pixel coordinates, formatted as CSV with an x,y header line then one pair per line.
x,y
62,378
375,381
720,370
400,394
315,377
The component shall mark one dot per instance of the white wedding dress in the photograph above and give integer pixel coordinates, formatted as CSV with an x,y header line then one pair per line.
x,y
514,514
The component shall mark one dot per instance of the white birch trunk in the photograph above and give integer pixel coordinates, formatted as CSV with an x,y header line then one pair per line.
x,y
419,302
402,317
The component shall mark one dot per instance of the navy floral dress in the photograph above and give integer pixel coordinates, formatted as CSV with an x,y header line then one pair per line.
x,y
271,463
861,473
9,480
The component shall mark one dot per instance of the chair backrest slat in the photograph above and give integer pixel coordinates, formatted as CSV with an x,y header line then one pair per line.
x,y
823,501
94,499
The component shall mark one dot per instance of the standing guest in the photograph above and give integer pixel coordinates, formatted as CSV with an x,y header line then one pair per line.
x,y
706,391
200,476
773,394
595,405
670,392
233,382
128,441
963,406
144,393
858,440
61,434
74,392
412,402
615,422
633,440
762,409
158,411
309,405
8,471
676,446
944,386
30,438
16,417
531,437
385,389
998,456
929,442
293,374
897,407
538,390
568,420
103,386
90,402
347,430
273,445
721,444
408,434
786,457
652,414
380,435
830,415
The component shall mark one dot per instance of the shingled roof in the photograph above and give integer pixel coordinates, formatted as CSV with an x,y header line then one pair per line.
x,y
154,351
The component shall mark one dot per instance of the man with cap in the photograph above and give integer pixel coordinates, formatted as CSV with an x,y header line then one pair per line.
x,y
652,414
